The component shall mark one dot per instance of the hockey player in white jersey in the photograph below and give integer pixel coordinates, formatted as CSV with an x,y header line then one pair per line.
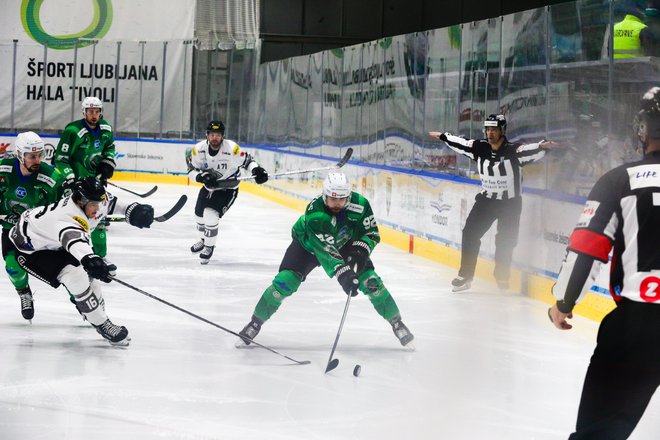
x,y
213,160
53,244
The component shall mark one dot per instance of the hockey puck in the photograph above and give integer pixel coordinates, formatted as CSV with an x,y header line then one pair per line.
x,y
356,370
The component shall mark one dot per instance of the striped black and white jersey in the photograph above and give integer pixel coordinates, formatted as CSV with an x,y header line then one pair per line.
x,y
500,171
226,163
62,224
622,214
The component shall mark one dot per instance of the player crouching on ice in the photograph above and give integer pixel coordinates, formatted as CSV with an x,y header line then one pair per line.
x,y
53,244
337,231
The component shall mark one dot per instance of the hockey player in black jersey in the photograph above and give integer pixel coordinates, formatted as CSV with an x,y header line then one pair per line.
x,y
499,163
622,215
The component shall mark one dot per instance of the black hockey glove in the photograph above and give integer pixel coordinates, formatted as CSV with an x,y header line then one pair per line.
x,y
443,137
140,216
260,175
348,280
96,267
358,255
106,169
207,179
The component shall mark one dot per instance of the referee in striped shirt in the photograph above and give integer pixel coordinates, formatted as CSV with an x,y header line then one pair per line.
x,y
500,165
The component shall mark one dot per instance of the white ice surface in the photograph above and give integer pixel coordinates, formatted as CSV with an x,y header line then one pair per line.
x,y
487,365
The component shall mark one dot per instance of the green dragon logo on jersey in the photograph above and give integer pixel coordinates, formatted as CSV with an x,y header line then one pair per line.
x,y
97,28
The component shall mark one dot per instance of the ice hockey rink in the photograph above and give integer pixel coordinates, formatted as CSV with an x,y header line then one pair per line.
x,y
486,364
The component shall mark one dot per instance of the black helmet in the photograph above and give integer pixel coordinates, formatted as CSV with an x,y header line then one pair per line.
x,y
215,127
496,121
87,190
647,121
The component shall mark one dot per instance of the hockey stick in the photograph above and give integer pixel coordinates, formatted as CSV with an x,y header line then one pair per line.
x,y
204,320
230,183
173,210
161,218
332,363
147,194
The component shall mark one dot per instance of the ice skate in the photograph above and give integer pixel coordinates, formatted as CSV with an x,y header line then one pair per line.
x,y
459,284
115,334
249,332
401,331
206,254
27,303
197,247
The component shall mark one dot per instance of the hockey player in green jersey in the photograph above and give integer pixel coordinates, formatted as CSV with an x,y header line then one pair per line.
x,y
338,231
87,148
25,182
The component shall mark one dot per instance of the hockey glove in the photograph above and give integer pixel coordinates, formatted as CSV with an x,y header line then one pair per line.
x,y
96,267
348,280
358,255
207,179
106,169
260,175
140,216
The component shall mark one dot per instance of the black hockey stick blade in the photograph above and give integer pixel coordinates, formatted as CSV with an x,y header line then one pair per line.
x,y
161,218
332,365
176,208
346,158
181,309
227,183
147,194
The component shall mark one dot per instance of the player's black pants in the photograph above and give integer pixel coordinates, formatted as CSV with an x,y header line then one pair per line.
x,y
623,374
299,260
45,265
219,200
484,212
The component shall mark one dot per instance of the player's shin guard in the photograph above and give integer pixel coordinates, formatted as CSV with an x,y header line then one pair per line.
x,y
372,286
211,219
199,246
91,304
284,284
16,273
100,240
87,295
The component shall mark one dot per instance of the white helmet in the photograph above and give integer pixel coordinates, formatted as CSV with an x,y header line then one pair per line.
x,y
91,102
336,185
28,142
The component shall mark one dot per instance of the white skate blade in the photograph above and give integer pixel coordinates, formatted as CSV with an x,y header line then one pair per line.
x,y
410,346
242,345
123,343
461,288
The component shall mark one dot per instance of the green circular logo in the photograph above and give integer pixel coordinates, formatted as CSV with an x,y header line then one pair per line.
x,y
97,29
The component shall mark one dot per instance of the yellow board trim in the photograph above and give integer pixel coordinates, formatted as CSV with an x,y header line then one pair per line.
x,y
593,306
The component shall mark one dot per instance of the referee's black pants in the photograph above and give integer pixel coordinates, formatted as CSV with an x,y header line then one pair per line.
x,y
623,374
484,212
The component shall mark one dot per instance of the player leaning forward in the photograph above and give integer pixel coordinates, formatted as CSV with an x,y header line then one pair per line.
x,y
211,161
53,244
337,231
